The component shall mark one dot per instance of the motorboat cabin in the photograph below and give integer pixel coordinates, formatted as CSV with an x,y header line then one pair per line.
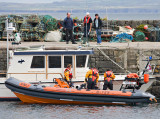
x,y
44,65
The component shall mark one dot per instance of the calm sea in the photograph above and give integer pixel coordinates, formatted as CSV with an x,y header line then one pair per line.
x,y
80,15
16,110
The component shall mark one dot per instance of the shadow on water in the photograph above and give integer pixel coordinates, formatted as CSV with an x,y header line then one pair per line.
x,y
18,110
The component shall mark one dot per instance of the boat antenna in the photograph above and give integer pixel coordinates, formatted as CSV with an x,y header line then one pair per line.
x,y
106,18
7,43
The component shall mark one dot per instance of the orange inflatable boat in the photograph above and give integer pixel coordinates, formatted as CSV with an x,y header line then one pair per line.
x,y
31,93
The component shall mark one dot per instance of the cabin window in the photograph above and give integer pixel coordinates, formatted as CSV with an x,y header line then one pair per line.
x,y
38,62
111,33
67,60
80,61
54,61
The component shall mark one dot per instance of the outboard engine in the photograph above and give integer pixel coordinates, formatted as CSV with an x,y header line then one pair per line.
x,y
133,81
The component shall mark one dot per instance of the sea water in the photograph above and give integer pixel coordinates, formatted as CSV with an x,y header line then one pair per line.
x,y
18,110
80,15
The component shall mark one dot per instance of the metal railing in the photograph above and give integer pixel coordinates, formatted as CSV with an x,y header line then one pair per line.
x,y
10,74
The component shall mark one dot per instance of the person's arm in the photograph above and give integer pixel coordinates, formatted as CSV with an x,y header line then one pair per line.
x,y
113,76
97,78
64,24
90,27
72,23
67,75
83,22
104,76
87,75
101,24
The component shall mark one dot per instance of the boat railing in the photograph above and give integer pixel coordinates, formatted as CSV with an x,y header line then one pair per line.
x,y
115,73
36,74
2,73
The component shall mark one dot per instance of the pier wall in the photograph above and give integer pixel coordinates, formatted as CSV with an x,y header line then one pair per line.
x,y
133,60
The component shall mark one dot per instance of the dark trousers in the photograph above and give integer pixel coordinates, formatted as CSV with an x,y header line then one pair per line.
x,y
69,35
86,31
91,84
108,85
69,82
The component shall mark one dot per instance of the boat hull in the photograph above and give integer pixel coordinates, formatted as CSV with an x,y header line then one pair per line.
x,y
37,100
29,93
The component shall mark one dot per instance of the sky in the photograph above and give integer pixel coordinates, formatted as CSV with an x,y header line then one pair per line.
x,y
30,1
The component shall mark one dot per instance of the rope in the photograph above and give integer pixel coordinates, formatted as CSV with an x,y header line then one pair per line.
x,y
112,60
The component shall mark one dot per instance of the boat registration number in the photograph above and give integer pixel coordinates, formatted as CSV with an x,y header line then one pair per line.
x,y
23,84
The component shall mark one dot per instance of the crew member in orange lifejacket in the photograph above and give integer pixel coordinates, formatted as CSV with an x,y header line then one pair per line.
x,y
68,75
108,77
91,78
87,22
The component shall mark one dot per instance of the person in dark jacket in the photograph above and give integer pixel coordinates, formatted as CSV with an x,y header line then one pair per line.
x,y
68,27
98,27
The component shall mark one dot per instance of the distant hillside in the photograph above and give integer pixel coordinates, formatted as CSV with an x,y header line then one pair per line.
x,y
114,6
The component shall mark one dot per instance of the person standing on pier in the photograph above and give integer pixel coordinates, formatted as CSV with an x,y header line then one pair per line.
x,y
68,28
98,26
87,22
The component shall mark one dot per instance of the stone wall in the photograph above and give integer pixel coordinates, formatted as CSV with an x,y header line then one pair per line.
x,y
99,61
133,60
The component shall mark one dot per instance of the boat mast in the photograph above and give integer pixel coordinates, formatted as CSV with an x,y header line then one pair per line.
x,y
7,44
107,14
9,29
106,18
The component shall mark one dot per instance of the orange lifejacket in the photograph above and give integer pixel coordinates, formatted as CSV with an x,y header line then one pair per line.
x,y
94,74
70,72
87,20
108,75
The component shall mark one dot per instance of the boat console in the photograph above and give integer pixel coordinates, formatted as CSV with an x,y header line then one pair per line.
x,y
131,83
